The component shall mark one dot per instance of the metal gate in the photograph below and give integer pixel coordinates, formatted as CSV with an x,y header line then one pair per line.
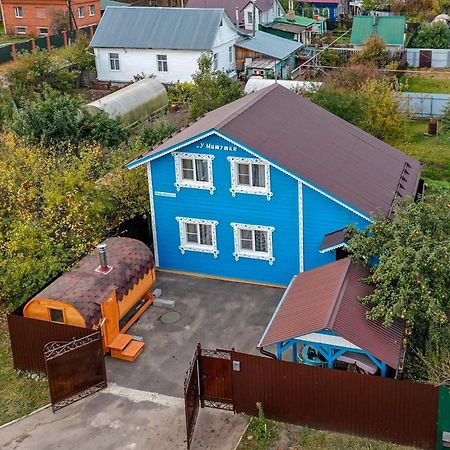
x,y
75,369
191,398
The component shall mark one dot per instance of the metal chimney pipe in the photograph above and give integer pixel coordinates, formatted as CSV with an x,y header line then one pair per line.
x,y
237,17
102,256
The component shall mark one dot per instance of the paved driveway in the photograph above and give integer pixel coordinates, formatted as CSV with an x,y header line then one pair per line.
x,y
218,314
142,408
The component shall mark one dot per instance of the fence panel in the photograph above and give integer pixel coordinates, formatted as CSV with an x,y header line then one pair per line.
x,y
29,337
57,40
5,53
398,411
23,47
41,43
424,105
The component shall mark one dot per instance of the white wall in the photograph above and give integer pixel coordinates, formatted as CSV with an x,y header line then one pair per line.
x,y
266,16
440,58
226,37
181,64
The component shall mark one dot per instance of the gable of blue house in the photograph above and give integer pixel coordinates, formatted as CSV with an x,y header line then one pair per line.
x,y
295,213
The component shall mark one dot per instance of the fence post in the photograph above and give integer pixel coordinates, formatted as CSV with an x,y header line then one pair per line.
x,y
47,40
64,35
33,45
13,52
91,31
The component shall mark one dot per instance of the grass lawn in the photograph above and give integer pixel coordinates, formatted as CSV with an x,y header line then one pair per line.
x,y
284,436
431,85
433,152
19,395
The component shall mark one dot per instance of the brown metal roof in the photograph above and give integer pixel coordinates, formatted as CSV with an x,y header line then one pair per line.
x,y
85,289
314,144
327,298
334,239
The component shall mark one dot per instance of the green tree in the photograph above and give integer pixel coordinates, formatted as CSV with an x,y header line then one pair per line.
x,y
411,277
212,89
445,119
432,35
374,52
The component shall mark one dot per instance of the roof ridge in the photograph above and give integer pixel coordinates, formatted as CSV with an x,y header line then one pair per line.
x,y
246,105
339,294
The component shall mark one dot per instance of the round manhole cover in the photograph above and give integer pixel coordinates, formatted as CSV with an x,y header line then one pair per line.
x,y
170,317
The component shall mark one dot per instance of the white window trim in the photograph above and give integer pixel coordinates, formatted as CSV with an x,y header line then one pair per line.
x,y
115,59
16,12
80,10
20,32
42,28
164,63
91,10
189,246
239,253
244,189
180,182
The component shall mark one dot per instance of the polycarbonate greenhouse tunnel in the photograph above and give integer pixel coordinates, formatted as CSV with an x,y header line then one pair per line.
x,y
133,102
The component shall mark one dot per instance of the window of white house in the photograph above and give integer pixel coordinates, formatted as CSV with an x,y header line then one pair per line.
x,y
198,235
216,61
114,63
250,176
249,16
18,11
80,10
194,171
21,30
253,241
43,31
92,10
162,63
230,54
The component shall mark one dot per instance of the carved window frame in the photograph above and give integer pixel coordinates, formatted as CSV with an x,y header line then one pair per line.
x,y
191,247
182,183
237,188
240,253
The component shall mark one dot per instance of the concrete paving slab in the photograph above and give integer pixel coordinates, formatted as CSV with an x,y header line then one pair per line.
x,y
216,313
122,419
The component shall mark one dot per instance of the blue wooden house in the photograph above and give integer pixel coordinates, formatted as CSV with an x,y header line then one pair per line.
x,y
251,190
330,9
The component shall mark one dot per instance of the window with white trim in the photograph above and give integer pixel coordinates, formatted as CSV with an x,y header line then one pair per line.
x,y
114,63
250,176
162,63
249,16
18,12
80,10
43,31
193,170
230,54
253,241
198,235
216,61
21,30
92,10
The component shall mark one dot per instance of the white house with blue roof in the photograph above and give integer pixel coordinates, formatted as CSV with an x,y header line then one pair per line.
x,y
164,42
260,189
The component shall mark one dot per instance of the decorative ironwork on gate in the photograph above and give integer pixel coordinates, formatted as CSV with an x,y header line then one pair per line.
x,y
75,369
191,398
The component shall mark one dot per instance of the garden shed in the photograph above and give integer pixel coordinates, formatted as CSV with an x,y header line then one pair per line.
x,y
109,294
133,102
320,314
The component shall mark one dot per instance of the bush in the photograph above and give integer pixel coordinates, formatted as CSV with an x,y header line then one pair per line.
x,y
152,134
330,58
374,52
445,119
432,35
79,55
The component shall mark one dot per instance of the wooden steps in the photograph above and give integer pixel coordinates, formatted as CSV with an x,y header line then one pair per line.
x,y
124,347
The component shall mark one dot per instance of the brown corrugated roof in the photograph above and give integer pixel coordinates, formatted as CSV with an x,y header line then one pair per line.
x,y
314,144
327,298
85,288
334,239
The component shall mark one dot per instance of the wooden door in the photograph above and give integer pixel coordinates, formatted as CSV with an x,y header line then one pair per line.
x,y
425,57
110,312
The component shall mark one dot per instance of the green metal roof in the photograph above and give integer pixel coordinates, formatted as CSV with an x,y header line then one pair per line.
x,y
390,28
298,20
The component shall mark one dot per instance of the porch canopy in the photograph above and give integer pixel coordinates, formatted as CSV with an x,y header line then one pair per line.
x,y
320,309
332,241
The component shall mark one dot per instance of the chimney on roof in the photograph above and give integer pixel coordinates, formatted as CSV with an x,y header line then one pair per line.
x,y
237,17
291,12
103,267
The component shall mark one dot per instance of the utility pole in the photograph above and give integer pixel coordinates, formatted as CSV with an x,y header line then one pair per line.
x,y
72,21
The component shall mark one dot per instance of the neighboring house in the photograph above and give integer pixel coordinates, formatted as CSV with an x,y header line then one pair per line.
x,y
266,53
251,190
164,42
241,13
330,9
297,28
320,314
390,28
40,17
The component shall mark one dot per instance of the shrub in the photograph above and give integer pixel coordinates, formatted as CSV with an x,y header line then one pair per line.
x,y
374,52
432,35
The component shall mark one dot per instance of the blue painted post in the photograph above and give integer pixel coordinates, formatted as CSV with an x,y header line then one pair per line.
x,y
294,352
383,369
279,351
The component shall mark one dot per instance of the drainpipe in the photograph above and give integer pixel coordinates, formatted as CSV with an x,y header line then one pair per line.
x,y
254,18
266,353
237,17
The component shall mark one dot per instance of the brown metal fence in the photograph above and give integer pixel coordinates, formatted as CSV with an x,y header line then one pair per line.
x,y
402,412
191,398
29,336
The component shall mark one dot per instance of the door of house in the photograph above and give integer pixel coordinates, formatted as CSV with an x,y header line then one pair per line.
x,y
75,369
